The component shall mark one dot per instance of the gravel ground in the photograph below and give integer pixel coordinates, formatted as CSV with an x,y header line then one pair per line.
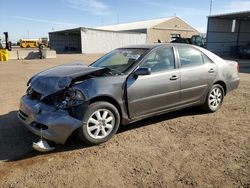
x,y
181,149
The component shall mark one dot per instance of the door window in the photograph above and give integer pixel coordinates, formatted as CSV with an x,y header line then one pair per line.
x,y
189,56
162,59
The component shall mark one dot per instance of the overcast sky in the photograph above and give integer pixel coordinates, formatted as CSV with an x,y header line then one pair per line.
x,y
34,19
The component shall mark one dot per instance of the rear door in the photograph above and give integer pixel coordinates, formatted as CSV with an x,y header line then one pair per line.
x,y
159,90
197,74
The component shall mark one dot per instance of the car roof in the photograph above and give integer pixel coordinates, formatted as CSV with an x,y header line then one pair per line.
x,y
154,45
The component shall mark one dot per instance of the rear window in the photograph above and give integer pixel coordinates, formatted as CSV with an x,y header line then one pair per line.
x,y
189,56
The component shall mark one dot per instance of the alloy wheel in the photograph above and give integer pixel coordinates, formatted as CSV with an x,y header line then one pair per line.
x,y
100,124
215,98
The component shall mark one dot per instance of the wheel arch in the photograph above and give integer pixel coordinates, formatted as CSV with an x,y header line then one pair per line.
x,y
223,84
109,100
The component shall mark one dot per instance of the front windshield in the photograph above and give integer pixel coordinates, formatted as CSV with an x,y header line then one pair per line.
x,y
119,60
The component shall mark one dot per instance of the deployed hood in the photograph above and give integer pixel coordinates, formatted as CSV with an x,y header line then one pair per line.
x,y
58,78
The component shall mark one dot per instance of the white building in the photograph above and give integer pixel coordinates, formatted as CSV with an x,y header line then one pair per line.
x,y
88,40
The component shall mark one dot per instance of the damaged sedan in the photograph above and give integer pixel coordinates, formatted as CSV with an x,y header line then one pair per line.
x,y
125,85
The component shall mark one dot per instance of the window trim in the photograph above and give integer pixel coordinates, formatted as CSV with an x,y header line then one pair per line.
x,y
204,55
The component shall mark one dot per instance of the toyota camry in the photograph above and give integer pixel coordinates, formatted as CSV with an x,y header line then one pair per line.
x,y
124,86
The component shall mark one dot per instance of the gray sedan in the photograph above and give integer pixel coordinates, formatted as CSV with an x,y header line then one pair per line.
x,y
125,85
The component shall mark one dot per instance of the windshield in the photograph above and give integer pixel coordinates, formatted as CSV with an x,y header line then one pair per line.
x,y
119,60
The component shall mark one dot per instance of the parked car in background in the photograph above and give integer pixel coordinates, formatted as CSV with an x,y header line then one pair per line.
x,y
126,85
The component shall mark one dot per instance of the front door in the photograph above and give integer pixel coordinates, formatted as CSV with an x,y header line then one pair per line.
x,y
159,90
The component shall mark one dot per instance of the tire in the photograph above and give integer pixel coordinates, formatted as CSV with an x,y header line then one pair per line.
x,y
214,99
100,122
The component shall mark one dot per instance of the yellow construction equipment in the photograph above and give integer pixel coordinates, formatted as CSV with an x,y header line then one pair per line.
x,y
3,55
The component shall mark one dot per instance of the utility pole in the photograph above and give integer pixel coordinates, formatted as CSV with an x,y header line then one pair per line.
x,y
211,6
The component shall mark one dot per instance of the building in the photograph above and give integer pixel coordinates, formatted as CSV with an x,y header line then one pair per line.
x,y
106,38
226,32
88,40
163,29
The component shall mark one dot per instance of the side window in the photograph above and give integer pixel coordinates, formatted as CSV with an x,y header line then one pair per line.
x,y
189,56
162,59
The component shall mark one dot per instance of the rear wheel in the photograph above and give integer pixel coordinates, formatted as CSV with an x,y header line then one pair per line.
x,y
214,98
101,121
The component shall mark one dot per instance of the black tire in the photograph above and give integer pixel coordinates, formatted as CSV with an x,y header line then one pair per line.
x,y
84,132
209,105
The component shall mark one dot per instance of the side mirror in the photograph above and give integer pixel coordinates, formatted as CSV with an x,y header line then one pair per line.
x,y
142,71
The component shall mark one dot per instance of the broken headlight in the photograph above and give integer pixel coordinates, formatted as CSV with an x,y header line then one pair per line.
x,y
72,97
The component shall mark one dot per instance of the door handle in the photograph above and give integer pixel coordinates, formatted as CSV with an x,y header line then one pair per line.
x,y
211,70
174,77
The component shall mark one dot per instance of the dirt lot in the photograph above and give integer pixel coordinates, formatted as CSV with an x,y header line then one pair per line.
x,y
180,149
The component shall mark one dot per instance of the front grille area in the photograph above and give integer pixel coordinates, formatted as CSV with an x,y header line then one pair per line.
x,y
22,115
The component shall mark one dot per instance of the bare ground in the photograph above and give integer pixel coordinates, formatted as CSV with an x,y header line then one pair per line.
x,y
182,149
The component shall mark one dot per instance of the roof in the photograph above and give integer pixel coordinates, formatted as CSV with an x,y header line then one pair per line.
x,y
79,29
67,30
245,15
144,46
135,25
154,45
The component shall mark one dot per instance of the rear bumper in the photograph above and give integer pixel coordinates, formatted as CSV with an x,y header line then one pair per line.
x,y
233,84
57,124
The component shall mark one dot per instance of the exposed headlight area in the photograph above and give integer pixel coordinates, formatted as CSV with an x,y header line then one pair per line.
x,y
71,98
62,100
32,94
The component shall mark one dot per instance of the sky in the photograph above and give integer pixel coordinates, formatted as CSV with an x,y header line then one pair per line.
x,y
35,18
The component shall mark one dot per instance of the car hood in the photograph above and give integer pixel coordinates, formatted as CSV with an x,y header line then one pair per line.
x,y
58,78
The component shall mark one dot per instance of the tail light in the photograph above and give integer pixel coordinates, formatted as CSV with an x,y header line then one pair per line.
x,y
238,67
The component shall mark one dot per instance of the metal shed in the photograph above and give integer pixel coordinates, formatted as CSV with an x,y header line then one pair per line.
x,y
227,32
89,40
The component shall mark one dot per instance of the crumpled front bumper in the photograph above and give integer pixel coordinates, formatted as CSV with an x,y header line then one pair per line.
x,y
57,124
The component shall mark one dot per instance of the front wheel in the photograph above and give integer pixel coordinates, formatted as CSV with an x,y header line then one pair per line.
x,y
214,98
101,121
